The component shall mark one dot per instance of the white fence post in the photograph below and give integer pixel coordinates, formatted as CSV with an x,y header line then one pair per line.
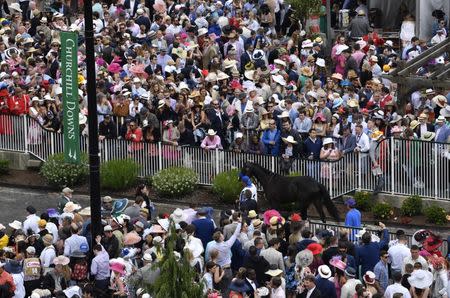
x,y
217,161
436,180
358,158
330,174
160,161
391,153
25,133
272,159
52,143
105,149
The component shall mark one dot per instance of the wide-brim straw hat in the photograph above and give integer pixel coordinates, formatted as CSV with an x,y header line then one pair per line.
x,y
421,279
132,238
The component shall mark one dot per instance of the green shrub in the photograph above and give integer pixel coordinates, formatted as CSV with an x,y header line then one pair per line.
x,y
227,186
382,210
119,174
4,167
175,181
412,206
363,200
436,215
61,174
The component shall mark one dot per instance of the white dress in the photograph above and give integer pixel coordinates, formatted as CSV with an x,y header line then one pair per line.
x,y
20,289
407,32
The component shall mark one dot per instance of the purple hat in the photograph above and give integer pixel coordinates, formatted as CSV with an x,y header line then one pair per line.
x,y
350,202
52,212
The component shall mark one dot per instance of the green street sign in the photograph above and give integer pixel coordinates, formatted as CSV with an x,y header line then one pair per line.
x,y
69,70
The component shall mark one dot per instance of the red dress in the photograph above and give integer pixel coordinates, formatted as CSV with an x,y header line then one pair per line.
x,y
5,121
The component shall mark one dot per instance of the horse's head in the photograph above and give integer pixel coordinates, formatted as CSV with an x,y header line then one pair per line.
x,y
246,170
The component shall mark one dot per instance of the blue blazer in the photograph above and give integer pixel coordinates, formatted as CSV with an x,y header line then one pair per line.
x,y
204,229
268,148
444,134
325,287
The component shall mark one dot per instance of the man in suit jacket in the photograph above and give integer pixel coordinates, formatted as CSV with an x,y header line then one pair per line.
x,y
204,227
272,255
219,121
309,288
348,140
131,6
442,130
325,286
229,229
4,9
424,126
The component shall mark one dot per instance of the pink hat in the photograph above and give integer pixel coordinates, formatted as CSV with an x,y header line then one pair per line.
x,y
114,68
117,267
269,214
336,262
230,110
131,238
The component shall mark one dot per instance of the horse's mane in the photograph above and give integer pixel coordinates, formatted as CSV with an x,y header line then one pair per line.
x,y
269,172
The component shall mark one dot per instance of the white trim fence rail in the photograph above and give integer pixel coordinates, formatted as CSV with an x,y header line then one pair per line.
x,y
409,167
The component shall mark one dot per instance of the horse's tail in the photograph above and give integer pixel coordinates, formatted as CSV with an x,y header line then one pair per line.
x,y
329,203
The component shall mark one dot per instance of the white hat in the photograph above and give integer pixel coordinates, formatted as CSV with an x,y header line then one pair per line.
x,y
389,43
341,48
202,31
140,11
307,43
440,119
374,58
320,62
327,141
71,207
280,62
137,80
48,97
16,225
249,108
67,190
284,114
178,215
16,7
211,132
35,98
324,271
279,80
31,250
238,135
421,279
107,228
290,139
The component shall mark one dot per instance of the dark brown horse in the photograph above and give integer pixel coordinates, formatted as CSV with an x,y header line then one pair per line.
x,y
304,190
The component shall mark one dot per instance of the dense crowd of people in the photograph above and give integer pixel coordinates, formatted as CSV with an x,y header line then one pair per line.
x,y
244,76
234,75
234,254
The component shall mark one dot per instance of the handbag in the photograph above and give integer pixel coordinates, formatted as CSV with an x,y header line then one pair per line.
x,y
376,171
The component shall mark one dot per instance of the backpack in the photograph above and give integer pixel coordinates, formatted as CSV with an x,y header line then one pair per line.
x,y
31,269
80,271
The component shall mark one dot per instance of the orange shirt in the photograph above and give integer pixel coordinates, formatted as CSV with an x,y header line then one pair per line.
x,y
6,278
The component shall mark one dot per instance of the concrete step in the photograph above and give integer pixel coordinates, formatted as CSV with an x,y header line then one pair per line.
x,y
34,163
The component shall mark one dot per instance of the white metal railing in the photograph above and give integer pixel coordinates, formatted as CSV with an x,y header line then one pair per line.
x,y
316,226
409,167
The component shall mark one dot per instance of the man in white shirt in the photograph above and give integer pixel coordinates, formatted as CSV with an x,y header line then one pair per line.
x,y
75,243
309,288
399,252
413,258
362,140
396,287
30,225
